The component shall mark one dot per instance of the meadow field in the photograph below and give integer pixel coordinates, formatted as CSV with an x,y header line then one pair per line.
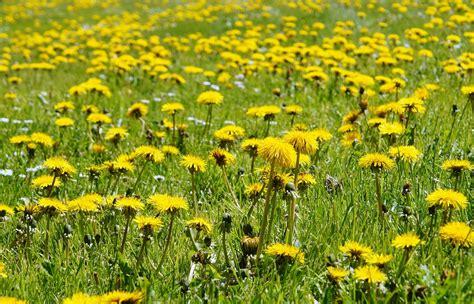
x,y
236,151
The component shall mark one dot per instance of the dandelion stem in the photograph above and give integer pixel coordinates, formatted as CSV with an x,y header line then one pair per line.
x,y
231,191
379,194
125,232
52,185
173,133
140,173
292,207
46,242
193,186
142,251
224,246
263,225
167,244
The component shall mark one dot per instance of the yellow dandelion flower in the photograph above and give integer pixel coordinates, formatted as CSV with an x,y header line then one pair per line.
x,y
170,150
137,110
193,163
277,151
377,259
302,142
51,205
64,122
11,300
321,134
168,203
391,128
447,199
116,134
42,138
44,181
286,252
354,249
20,139
371,274
337,274
59,166
221,157
148,222
458,233
99,118
85,203
129,203
293,110
150,153
406,153
376,161
407,241
456,166
210,98
200,224
172,108
115,297
5,210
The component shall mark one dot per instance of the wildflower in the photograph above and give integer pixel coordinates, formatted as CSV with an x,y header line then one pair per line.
x,y
167,203
407,241
456,166
44,181
221,157
116,134
447,199
85,203
129,203
210,98
170,150
150,153
337,274
63,106
42,138
388,128
3,273
137,110
354,249
20,139
200,224
377,259
371,274
51,205
64,122
276,151
59,166
99,118
11,300
172,108
406,153
302,142
293,110
193,163
5,210
285,253
376,161
81,298
458,233
376,122
122,297
412,104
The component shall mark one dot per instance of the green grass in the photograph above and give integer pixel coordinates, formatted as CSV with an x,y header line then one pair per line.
x,y
436,272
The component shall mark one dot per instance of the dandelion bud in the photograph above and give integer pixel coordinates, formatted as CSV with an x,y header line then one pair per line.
x,y
184,285
276,92
207,241
407,211
248,230
384,208
455,110
88,240
249,245
406,189
227,222
290,187
241,172
67,230
97,238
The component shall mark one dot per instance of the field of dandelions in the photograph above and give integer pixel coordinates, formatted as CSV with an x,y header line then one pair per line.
x,y
260,151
